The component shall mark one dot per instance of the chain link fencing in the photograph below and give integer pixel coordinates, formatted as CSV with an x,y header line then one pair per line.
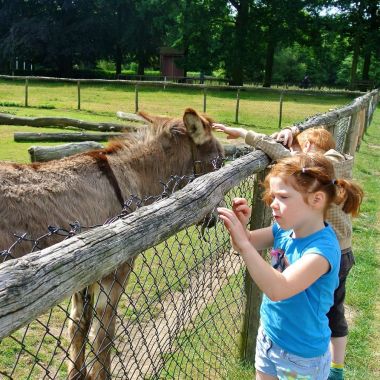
x,y
180,313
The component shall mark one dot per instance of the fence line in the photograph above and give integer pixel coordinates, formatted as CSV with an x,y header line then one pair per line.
x,y
38,281
138,85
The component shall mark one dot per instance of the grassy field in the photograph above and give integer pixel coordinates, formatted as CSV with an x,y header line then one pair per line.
x,y
258,111
363,289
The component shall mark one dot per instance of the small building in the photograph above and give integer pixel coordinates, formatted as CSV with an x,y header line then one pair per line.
x,y
168,58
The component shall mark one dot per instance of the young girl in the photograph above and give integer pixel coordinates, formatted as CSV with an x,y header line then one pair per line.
x,y
322,141
298,288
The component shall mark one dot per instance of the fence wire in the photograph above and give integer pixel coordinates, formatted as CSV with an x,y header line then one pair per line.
x,y
178,296
178,316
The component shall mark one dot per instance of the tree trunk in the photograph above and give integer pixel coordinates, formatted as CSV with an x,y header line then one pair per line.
x,y
241,27
269,60
355,59
118,60
140,65
366,65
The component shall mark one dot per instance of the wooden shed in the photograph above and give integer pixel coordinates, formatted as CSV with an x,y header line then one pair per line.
x,y
168,58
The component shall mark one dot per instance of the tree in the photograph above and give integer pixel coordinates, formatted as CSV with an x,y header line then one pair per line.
x,y
54,34
197,28
362,25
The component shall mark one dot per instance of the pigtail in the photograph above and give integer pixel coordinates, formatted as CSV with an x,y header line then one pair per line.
x,y
350,195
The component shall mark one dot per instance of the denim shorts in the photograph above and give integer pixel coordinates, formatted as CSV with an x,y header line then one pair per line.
x,y
272,360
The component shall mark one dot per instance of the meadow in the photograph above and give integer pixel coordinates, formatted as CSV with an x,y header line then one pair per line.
x,y
259,110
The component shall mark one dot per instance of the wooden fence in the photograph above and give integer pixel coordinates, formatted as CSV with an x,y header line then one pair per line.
x,y
204,88
30,285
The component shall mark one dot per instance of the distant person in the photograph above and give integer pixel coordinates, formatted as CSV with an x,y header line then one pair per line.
x,y
317,140
305,83
298,286
202,77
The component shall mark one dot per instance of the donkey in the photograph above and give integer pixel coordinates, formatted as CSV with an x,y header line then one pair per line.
x,y
91,187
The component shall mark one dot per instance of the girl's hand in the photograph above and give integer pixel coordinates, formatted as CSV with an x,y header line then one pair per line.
x,y
238,232
285,137
242,210
233,133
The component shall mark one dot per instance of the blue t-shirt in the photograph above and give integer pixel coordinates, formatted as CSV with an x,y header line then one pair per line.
x,y
299,324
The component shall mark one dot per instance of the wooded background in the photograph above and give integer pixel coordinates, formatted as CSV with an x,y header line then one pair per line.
x,y
333,42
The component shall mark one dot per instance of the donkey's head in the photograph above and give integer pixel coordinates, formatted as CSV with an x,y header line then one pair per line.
x,y
188,144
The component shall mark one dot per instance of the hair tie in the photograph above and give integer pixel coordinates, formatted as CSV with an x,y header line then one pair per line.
x,y
304,170
334,181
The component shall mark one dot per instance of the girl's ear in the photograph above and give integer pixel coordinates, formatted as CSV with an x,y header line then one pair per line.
x,y
307,147
318,199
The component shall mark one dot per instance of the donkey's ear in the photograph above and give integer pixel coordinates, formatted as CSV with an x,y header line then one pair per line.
x,y
146,116
198,127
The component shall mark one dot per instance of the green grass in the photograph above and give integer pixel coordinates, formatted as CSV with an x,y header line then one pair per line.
x,y
260,112
258,109
363,288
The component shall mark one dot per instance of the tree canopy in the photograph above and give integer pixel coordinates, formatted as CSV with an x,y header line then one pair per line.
x,y
333,42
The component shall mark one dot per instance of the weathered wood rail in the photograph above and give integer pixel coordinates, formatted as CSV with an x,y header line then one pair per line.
x,y
36,282
31,285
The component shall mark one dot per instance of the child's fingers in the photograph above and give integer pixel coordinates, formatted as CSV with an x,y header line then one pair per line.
x,y
239,201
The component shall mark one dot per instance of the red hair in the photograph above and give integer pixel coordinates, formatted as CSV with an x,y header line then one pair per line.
x,y
321,138
309,173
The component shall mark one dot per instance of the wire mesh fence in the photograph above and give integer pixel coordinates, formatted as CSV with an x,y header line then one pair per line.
x,y
174,312
179,294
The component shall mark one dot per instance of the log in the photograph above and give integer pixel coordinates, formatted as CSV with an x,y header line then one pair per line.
x,y
130,116
48,153
36,282
74,136
6,119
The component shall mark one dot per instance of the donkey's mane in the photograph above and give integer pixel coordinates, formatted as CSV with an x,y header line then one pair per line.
x,y
141,137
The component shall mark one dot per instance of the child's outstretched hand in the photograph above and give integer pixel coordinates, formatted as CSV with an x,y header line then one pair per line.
x,y
242,210
238,232
232,133
285,137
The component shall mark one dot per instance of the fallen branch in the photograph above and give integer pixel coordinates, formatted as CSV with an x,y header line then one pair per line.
x,y
74,136
130,116
48,153
6,119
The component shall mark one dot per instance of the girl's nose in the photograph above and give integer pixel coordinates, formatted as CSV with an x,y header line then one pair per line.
x,y
274,204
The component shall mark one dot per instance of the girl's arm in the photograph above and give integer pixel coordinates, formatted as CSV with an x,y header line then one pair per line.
x,y
277,286
232,133
267,144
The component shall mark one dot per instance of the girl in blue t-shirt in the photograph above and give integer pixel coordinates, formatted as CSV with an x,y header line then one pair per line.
x,y
293,339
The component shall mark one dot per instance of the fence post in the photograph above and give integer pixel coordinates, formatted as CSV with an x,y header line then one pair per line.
x,y
280,113
361,126
78,86
237,106
261,217
136,99
204,98
351,136
26,92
